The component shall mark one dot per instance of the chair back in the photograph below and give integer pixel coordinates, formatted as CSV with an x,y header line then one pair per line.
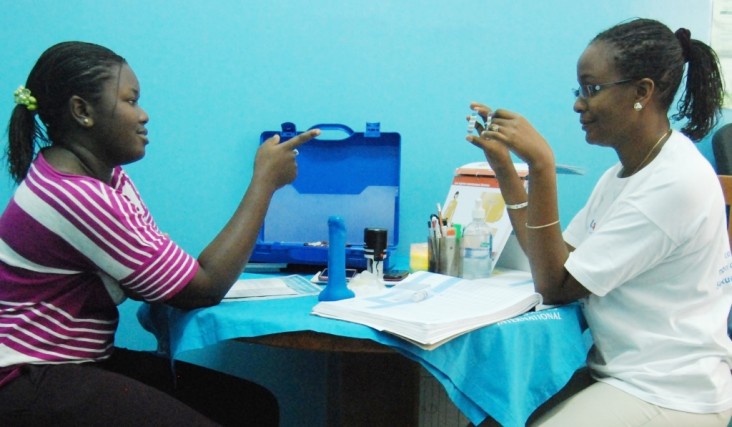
x,y
726,181
722,148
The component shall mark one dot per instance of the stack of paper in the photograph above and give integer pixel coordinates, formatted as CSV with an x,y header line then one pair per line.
x,y
430,309
272,287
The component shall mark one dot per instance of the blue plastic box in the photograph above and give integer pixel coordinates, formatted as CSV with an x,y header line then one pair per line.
x,y
355,177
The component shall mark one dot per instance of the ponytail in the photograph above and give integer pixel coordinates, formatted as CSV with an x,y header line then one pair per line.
x,y
701,102
23,133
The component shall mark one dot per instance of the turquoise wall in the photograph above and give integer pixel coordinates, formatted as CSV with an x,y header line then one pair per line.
x,y
215,74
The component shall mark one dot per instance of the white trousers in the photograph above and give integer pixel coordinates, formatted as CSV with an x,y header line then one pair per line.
x,y
602,405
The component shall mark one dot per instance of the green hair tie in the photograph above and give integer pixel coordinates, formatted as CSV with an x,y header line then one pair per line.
x,y
23,96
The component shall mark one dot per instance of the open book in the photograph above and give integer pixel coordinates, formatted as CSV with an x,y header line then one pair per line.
x,y
430,309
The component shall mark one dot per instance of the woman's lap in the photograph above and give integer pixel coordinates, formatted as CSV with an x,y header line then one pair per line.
x,y
602,405
133,388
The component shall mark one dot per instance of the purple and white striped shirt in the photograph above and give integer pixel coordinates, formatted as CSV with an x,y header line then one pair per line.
x,y
71,247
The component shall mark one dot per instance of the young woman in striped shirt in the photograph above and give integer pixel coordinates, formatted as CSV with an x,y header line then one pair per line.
x,y
76,239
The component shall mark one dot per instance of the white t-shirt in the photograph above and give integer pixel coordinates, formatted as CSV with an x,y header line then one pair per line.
x,y
653,251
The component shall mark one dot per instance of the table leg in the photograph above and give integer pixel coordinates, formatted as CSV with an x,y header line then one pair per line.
x,y
372,389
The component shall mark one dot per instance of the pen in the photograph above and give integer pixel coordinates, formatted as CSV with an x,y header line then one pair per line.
x,y
435,242
435,229
439,217
434,221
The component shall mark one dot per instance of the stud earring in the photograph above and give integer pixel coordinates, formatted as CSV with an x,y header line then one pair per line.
x,y
637,106
86,121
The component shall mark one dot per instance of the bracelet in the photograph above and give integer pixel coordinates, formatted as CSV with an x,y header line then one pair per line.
x,y
535,227
517,206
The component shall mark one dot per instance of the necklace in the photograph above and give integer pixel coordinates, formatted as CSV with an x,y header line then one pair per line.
x,y
640,165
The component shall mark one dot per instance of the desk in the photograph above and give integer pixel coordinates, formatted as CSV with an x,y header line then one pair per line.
x,y
369,384
505,370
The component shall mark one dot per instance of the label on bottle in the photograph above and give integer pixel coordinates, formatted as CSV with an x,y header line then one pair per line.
x,y
477,262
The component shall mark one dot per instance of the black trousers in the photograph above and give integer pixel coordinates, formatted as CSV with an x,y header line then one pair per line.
x,y
134,388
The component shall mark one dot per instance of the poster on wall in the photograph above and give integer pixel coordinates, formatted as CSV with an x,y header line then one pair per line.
x,y
722,43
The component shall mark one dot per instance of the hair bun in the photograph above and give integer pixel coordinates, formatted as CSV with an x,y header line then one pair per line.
x,y
684,37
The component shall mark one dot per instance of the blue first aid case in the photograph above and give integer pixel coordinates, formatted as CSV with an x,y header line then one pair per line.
x,y
354,176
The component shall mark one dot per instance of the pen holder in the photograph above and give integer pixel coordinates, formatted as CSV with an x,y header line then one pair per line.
x,y
444,255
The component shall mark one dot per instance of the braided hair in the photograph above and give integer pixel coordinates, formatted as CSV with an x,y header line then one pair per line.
x,y
63,70
645,48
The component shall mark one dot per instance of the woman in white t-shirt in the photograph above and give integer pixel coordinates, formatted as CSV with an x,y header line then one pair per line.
x,y
648,256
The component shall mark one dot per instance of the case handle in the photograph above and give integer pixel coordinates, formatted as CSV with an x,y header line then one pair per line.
x,y
333,127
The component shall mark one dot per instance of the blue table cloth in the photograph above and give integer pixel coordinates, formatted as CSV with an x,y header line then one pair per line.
x,y
505,370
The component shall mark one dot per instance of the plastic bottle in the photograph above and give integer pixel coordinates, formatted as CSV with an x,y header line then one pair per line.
x,y
477,246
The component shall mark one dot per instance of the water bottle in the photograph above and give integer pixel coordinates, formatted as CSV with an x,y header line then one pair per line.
x,y
477,246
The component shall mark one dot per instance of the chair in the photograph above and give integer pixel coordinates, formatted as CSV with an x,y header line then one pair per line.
x,y
726,181
722,148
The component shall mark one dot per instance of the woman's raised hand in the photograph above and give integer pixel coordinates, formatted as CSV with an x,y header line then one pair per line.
x,y
505,132
275,163
497,154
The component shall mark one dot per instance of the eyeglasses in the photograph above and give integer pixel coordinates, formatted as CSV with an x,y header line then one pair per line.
x,y
588,91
